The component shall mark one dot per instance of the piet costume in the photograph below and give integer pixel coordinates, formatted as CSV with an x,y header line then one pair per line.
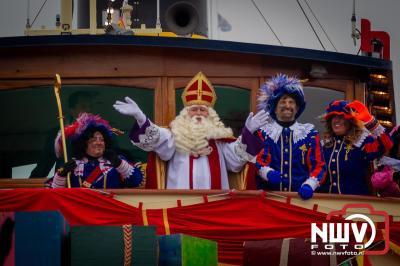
x,y
348,161
198,157
386,178
107,171
292,158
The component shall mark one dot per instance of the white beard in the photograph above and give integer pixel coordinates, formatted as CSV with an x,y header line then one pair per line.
x,y
192,136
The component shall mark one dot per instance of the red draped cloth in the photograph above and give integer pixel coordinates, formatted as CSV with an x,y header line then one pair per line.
x,y
79,206
230,222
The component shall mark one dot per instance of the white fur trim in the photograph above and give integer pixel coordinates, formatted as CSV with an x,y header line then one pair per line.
x,y
312,182
300,131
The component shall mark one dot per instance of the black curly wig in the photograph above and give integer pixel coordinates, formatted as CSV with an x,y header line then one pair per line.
x,y
80,144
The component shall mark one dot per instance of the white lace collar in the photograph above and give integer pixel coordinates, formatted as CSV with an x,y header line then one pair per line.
x,y
362,137
300,131
360,140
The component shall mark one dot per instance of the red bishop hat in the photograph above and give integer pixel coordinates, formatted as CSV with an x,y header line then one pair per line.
x,y
199,91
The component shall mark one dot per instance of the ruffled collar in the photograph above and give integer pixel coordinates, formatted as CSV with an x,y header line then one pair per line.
x,y
300,131
362,138
357,144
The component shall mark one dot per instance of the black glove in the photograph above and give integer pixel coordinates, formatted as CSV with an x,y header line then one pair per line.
x,y
66,168
113,157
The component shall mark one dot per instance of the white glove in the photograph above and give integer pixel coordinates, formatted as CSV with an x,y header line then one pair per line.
x,y
129,107
253,123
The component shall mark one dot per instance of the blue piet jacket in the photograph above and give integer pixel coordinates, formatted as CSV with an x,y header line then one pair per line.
x,y
295,152
101,174
348,164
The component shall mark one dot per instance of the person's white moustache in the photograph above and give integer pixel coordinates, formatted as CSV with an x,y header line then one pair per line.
x,y
198,119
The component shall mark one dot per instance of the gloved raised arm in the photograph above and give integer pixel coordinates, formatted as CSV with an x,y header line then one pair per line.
x,y
248,145
130,108
361,112
378,132
254,122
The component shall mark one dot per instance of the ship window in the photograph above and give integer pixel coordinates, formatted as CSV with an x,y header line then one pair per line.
x,y
29,123
232,106
317,99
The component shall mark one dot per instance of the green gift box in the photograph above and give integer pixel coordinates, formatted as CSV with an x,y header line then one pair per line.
x,y
184,250
114,245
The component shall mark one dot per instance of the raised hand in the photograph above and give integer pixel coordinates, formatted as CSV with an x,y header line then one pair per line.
x,y
360,111
253,123
130,107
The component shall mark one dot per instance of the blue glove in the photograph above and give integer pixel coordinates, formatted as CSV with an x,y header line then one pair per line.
x,y
306,192
274,177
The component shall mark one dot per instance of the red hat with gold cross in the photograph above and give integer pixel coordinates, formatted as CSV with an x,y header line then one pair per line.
x,y
199,91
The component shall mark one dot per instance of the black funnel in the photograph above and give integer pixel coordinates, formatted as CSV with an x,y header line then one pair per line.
x,y
182,18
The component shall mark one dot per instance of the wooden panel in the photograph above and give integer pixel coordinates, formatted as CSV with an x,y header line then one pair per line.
x,y
22,183
166,67
158,102
82,62
212,63
359,91
130,61
346,86
147,83
170,101
350,90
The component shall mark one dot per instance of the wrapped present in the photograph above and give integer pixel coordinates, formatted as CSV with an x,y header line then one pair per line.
x,y
288,251
32,238
114,245
184,250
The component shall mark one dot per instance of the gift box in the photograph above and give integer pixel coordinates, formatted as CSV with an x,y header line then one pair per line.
x,y
33,238
114,245
288,251
184,250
